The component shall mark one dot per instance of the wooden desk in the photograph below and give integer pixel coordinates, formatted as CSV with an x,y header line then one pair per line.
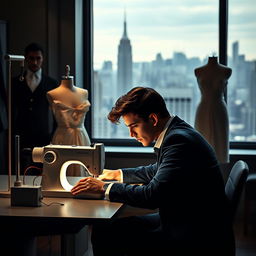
x,y
24,223
74,211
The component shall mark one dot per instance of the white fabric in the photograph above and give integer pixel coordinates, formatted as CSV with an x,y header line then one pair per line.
x,y
33,79
161,136
110,185
107,191
70,129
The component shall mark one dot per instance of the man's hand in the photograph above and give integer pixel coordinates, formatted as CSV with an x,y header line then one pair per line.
x,y
88,184
110,175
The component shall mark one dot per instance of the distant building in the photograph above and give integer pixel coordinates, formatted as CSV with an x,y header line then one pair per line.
x,y
241,97
101,127
179,101
235,51
124,63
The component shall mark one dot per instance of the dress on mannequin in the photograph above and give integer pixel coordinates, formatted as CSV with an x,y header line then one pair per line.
x,y
70,105
212,116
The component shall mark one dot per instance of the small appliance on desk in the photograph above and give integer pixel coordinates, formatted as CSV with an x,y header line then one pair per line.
x,y
22,195
57,158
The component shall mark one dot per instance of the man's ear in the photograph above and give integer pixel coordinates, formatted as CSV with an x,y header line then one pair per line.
x,y
153,118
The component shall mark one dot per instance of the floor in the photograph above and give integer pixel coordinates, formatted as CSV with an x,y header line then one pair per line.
x,y
246,244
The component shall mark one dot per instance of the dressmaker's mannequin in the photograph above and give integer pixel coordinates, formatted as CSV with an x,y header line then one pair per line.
x,y
212,117
70,105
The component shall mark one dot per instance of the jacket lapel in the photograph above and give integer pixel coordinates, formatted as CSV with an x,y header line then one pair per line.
x,y
173,124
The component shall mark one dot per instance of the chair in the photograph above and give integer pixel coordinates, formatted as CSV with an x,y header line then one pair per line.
x,y
249,197
235,184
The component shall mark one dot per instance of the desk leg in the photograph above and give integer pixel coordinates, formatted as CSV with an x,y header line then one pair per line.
x,y
75,244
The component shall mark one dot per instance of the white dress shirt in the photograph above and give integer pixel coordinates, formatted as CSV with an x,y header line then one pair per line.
x,y
33,79
160,138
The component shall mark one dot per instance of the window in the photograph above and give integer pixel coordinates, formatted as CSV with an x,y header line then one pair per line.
x,y
242,60
159,44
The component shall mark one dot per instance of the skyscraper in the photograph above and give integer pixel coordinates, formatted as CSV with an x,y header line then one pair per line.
x,y
124,63
235,49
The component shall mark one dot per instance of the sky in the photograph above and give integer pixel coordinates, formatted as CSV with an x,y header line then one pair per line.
x,y
168,26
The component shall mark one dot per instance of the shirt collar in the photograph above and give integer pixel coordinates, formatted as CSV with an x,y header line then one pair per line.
x,y
161,136
38,74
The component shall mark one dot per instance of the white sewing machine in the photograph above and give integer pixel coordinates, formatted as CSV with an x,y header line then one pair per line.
x,y
57,158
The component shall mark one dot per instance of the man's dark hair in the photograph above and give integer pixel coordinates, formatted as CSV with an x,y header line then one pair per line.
x,y
33,47
141,101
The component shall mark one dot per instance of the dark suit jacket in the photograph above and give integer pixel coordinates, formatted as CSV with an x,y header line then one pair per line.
x,y
32,117
186,185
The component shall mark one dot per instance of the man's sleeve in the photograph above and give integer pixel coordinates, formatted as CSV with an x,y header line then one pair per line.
x,y
108,186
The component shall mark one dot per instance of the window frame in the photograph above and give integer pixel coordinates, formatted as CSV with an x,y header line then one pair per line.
x,y
88,70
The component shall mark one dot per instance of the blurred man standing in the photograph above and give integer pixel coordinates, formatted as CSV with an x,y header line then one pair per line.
x,y
32,118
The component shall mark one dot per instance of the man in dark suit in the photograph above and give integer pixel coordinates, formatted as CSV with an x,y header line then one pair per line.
x,y
185,185
32,117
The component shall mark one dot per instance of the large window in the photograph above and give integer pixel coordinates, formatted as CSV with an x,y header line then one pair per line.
x,y
242,60
159,44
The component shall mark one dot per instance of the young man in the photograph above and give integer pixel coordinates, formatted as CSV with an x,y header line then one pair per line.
x,y
185,185
33,120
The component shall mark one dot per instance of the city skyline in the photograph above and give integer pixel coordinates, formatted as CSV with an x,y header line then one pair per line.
x,y
174,78
189,27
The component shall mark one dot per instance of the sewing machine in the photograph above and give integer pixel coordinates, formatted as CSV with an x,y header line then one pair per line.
x,y
57,158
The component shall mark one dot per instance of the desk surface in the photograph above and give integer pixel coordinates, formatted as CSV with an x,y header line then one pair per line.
x,y
72,209
53,217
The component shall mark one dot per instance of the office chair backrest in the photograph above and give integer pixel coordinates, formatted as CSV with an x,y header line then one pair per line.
x,y
235,184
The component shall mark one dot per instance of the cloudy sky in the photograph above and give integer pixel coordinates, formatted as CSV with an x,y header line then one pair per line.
x,y
167,26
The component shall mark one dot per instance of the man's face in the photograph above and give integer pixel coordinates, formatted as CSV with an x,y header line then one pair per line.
x,y
34,60
142,131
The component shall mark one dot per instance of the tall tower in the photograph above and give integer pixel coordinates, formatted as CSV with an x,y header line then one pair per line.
x,y
124,62
235,49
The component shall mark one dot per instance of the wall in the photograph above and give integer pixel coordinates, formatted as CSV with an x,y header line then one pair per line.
x,y
48,22
26,23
